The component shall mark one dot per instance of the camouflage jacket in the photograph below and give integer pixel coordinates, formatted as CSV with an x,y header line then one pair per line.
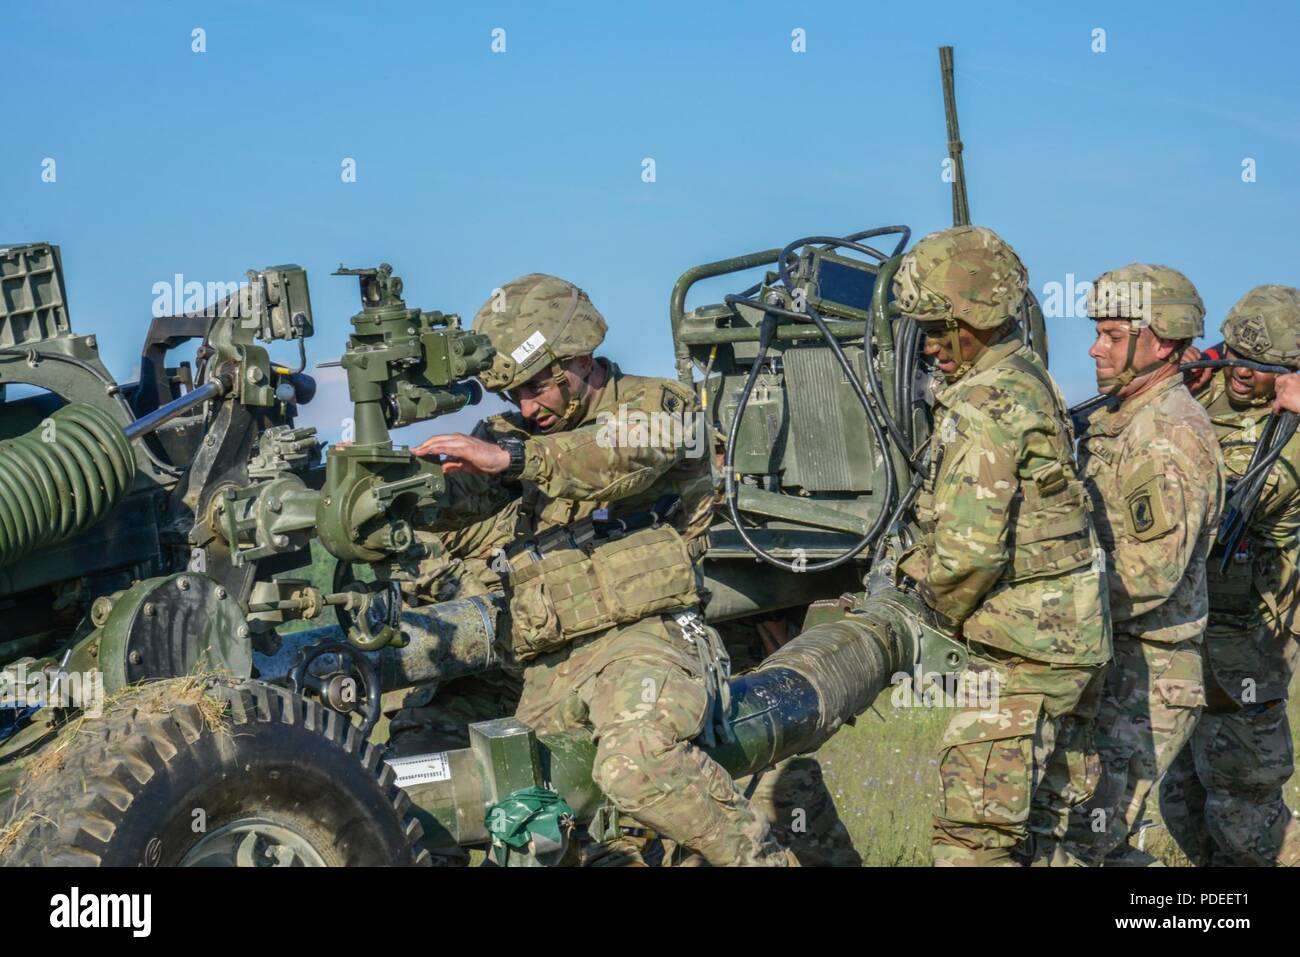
x,y
1260,585
1155,476
1008,554
640,439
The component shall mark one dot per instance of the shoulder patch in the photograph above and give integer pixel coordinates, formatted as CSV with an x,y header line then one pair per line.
x,y
674,397
1147,516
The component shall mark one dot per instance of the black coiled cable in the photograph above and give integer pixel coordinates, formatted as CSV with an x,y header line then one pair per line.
x,y
879,417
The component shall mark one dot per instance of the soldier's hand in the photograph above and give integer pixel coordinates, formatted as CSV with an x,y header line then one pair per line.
x,y
1196,379
465,453
1286,393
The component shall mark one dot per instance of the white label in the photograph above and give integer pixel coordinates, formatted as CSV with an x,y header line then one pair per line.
x,y
421,769
529,346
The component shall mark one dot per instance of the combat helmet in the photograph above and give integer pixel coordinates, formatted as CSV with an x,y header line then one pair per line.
x,y
1264,326
534,322
964,274
1147,296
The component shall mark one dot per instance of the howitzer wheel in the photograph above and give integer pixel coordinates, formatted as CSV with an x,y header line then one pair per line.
x,y
223,772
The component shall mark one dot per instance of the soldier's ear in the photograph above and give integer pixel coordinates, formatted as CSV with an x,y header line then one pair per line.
x,y
1165,347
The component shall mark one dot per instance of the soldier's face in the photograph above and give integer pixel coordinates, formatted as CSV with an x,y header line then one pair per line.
x,y
1247,384
1110,352
540,400
938,345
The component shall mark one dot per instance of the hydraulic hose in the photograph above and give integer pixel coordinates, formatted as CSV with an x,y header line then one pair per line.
x,y
61,478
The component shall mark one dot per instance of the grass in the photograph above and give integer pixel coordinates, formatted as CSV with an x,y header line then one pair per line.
x,y
883,774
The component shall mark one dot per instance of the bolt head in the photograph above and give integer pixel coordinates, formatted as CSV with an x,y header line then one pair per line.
x,y
242,631
183,584
148,609
100,610
221,592
135,657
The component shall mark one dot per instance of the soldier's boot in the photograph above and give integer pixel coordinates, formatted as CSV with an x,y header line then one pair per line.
x,y
1182,804
647,766
1244,759
793,798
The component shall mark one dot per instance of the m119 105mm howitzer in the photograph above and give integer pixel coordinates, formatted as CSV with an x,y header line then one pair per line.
x,y
166,528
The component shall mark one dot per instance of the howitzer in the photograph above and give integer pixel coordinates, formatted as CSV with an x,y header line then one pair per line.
x,y
789,705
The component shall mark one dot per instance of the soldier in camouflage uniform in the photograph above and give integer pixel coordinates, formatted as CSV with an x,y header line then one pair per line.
x,y
1008,560
1222,798
607,631
1153,469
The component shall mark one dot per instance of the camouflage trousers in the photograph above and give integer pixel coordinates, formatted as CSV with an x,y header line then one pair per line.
x,y
1222,798
1015,759
1153,696
638,689
793,798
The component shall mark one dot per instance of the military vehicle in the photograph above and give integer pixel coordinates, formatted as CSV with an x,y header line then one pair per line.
x,y
164,703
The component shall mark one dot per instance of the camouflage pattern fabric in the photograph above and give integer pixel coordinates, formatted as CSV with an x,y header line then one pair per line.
x,y
1222,800
791,796
637,686
568,475
534,321
1155,475
1158,297
1019,764
1253,602
1008,555
1151,700
1008,559
967,273
1264,325
639,690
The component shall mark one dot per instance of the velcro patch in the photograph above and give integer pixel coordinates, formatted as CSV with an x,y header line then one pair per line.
x,y
528,347
1146,511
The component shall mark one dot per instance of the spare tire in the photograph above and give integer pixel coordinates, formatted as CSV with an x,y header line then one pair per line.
x,y
187,772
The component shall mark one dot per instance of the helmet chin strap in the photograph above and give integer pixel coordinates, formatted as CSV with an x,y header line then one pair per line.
x,y
572,403
1114,384
954,347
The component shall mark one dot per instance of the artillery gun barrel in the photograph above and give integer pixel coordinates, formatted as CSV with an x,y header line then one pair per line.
x,y
790,705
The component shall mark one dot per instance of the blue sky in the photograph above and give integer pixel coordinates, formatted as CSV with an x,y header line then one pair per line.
x,y
474,167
